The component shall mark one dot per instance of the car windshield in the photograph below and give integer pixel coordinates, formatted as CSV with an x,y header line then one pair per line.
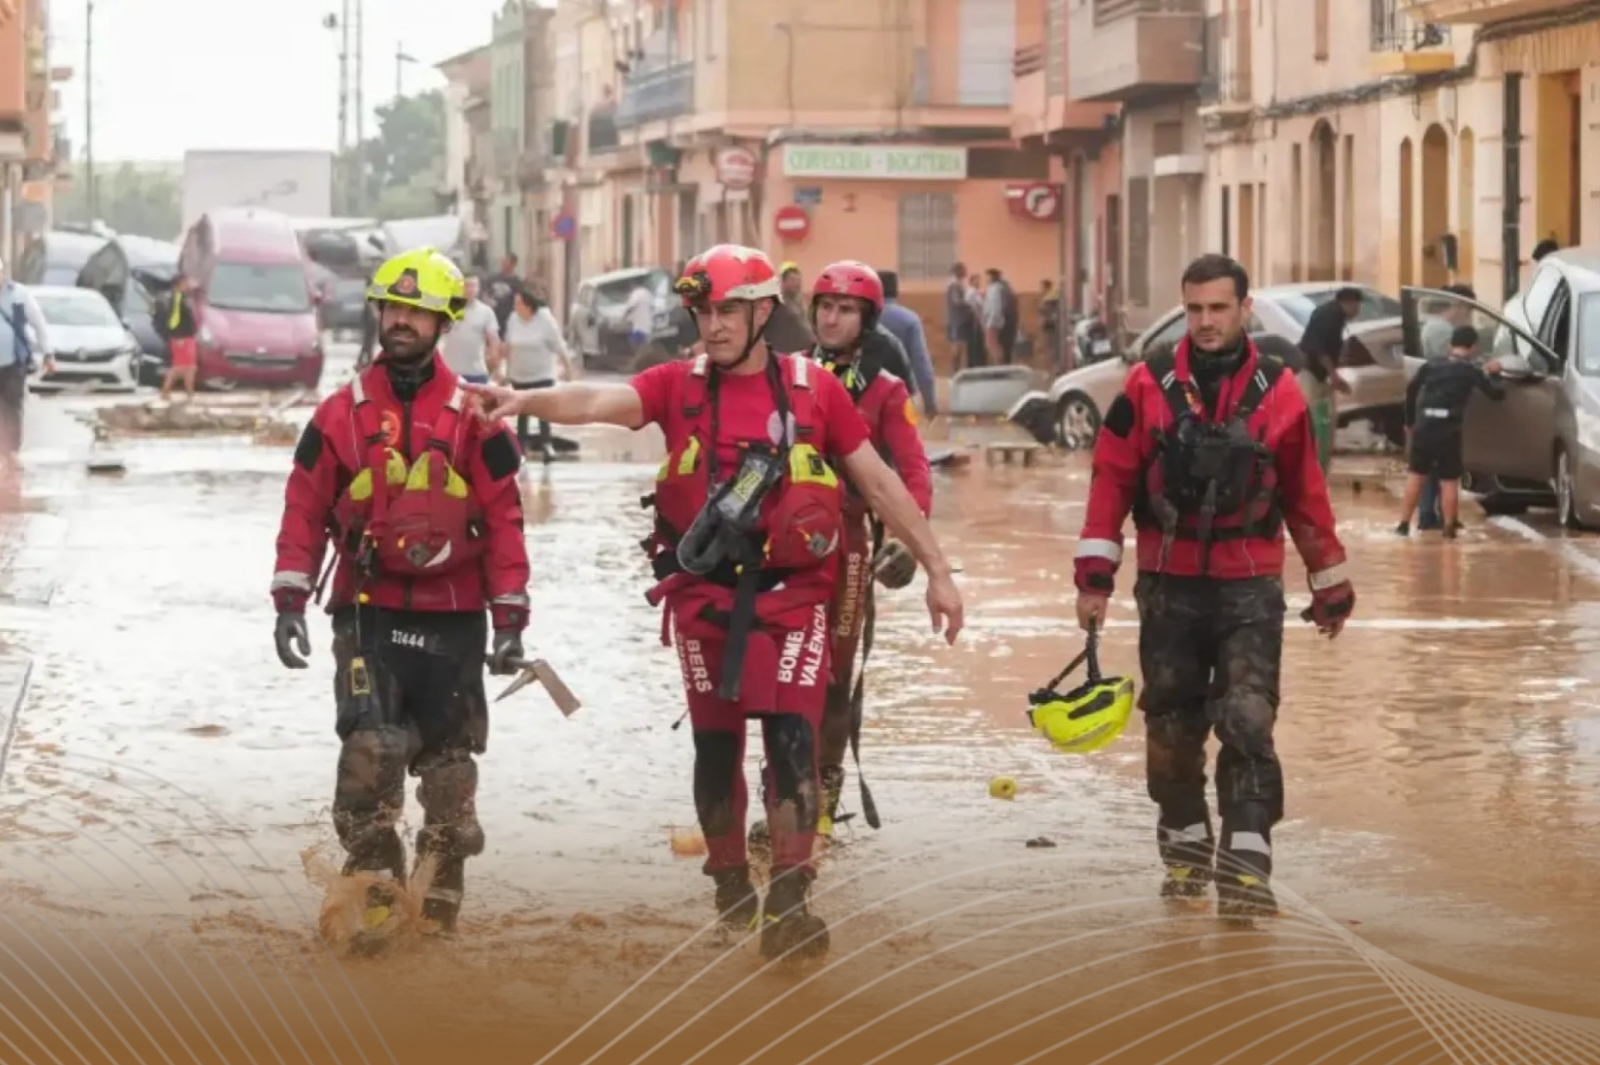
x,y
87,309
616,293
1299,305
1589,335
274,288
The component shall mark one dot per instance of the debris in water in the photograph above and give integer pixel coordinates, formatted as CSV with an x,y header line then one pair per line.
x,y
688,843
208,731
1003,788
1041,841
185,419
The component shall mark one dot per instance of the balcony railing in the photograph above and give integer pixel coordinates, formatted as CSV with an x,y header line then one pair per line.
x,y
651,95
1395,31
1225,73
1116,10
1027,60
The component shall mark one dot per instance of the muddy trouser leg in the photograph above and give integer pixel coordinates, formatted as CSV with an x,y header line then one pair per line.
x,y
369,791
13,397
1244,708
847,621
1175,660
450,709
718,725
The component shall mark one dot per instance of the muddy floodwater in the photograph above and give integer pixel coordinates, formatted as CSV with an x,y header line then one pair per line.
x,y
165,779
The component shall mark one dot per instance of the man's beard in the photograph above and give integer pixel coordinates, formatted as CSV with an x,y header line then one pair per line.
x,y
404,344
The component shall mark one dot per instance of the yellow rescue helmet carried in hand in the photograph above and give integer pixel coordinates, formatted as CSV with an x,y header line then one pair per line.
x,y
421,277
1088,717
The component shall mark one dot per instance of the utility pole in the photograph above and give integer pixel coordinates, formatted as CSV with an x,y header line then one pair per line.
x,y
358,205
88,111
400,61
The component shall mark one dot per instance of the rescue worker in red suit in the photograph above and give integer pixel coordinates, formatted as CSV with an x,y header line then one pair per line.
x,y
846,300
420,501
748,508
1211,450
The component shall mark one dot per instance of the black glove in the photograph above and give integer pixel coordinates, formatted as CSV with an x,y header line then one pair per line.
x,y
507,650
291,626
895,566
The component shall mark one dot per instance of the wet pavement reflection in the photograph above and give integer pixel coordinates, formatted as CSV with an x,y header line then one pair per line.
x,y
1443,756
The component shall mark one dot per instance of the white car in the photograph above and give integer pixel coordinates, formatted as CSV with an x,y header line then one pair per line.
x,y
86,343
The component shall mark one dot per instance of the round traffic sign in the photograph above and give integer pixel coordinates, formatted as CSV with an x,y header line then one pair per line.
x,y
792,222
563,226
736,168
1041,201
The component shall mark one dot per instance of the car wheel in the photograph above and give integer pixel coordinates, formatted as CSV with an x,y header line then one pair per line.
x,y
1077,421
1566,493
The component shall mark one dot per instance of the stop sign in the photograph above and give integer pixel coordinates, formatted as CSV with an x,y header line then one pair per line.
x,y
792,222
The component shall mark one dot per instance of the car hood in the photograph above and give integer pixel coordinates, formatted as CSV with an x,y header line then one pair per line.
x,y
260,329
1091,379
65,339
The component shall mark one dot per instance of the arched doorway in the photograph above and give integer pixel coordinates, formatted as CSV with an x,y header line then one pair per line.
x,y
1466,204
1324,203
1408,247
1435,205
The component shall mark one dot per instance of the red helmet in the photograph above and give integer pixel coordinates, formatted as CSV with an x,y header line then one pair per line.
x,y
850,278
728,272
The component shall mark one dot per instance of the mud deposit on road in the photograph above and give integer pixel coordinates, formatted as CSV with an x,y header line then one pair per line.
x,y
1443,763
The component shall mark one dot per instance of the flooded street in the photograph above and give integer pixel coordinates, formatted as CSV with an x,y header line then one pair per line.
x,y
164,777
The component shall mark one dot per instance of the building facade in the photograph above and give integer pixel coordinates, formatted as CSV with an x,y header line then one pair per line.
x,y
28,133
468,136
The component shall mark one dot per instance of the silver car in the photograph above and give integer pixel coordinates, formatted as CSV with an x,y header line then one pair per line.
x,y
1541,444
1372,363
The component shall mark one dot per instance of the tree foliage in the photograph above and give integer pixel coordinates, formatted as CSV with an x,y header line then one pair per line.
x,y
404,162
144,201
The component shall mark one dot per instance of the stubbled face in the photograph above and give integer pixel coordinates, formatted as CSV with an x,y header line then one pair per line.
x,y
726,327
792,285
408,333
838,322
1215,315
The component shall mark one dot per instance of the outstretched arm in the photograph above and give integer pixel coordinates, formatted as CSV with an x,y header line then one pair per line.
x,y
573,403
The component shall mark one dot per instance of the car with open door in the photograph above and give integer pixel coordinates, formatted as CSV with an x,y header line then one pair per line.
x,y
1540,445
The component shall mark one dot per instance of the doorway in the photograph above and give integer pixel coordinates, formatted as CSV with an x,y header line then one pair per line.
x,y
1435,206
1408,239
1324,203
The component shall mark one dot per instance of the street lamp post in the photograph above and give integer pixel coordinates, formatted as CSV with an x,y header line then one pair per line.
x,y
400,61
93,195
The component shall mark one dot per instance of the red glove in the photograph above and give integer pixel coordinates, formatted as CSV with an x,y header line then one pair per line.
x,y
1331,607
1094,576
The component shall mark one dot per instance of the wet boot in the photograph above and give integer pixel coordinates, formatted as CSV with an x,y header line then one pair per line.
x,y
376,921
832,790
1185,882
788,927
1244,874
738,905
442,904
1403,529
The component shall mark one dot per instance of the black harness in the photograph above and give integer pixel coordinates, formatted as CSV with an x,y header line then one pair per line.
x,y
1210,469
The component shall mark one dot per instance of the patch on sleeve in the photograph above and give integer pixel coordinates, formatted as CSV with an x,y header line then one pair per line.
x,y
309,449
500,455
1120,417
911,411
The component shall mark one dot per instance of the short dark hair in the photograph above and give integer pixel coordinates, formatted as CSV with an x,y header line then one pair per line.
x,y
993,272
1543,248
1464,336
958,268
1348,294
891,284
1458,289
1214,267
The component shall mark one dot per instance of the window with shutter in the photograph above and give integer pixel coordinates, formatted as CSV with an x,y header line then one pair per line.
x,y
927,239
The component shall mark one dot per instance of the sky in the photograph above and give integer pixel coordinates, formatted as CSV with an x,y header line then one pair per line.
x,y
170,75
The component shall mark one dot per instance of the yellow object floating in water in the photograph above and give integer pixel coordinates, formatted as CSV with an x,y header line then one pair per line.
x,y
375,916
1003,788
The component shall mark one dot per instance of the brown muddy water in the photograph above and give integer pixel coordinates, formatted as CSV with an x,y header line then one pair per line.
x,y
165,777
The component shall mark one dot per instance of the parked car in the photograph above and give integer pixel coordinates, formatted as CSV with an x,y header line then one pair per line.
x,y
1373,361
86,341
1540,445
596,328
254,303
130,271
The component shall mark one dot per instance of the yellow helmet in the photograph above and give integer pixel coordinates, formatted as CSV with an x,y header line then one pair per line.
x,y
788,266
421,277
1090,716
